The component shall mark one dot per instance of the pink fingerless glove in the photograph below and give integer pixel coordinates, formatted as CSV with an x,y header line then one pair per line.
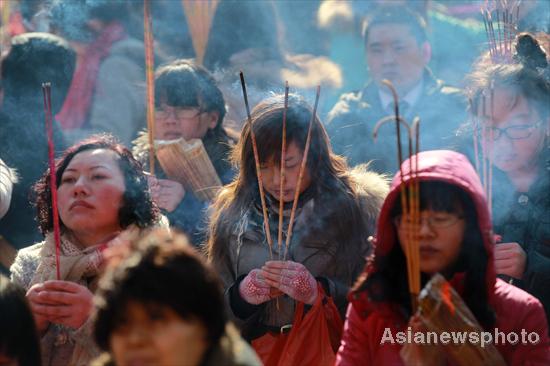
x,y
253,288
299,284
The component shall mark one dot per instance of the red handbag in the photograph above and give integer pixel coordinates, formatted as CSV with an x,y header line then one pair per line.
x,y
313,340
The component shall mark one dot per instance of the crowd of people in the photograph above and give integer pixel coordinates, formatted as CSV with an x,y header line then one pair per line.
x,y
218,234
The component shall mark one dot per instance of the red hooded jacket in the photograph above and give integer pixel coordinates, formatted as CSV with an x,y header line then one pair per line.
x,y
515,309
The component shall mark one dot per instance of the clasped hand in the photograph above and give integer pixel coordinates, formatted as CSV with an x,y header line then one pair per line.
x,y
60,302
276,278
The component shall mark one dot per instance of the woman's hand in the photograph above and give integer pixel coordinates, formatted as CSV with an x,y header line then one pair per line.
x,y
254,290
35,302
292,278
168,194
510,260
63,302
421,354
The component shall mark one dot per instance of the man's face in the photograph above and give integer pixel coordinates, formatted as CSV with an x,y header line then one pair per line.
x,y
393,53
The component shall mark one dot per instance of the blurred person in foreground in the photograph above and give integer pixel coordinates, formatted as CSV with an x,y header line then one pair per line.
x,y
19,345
164,305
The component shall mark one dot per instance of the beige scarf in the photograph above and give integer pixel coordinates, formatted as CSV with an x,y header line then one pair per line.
x,y
77,265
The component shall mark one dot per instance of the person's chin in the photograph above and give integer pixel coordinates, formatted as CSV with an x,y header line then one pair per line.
x,y
507,165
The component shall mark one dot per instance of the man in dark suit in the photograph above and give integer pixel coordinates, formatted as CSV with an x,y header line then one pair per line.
x,y
397,49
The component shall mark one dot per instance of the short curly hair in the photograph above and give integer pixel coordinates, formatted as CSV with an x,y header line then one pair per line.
x,y
162,269
137,208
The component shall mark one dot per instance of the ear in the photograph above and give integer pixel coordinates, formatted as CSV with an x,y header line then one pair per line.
x,y
212,119
426,52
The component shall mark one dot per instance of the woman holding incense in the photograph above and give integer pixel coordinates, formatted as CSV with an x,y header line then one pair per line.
x,y
189,105
514,126
335,214
455,239
103,199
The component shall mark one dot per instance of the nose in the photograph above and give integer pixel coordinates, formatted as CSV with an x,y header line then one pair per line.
x,y
275,175
80,188
388,57
425,229
171,119
136,335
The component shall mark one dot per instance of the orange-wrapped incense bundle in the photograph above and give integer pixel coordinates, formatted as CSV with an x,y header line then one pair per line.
x,y
440,310
188,163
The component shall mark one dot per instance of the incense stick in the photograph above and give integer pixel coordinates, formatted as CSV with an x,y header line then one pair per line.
x,y
46,90
282,175
416,128
301,173
258,170
490,152
150,80
475,124
199,16
410,203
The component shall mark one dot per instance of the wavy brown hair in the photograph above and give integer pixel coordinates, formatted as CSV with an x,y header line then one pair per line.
x,y
331,184
137,206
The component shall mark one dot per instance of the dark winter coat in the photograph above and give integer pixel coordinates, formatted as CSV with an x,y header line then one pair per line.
x,y
351,122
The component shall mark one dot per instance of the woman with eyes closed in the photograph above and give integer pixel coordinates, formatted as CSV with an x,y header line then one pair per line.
x,y
517,140
336,212
103,200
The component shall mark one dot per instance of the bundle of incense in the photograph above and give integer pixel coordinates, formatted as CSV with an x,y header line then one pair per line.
x,y
301,173
409,192
5,19
441,309
282,174
46,90
150,80
199,15
501,35
188,163
257,165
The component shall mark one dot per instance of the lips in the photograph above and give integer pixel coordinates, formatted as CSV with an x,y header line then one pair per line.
x,y
286,193
80,203
427,251
390,75
172,135
141,360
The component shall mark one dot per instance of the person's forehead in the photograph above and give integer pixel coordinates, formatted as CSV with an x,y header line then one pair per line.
x,y
390,32
105,157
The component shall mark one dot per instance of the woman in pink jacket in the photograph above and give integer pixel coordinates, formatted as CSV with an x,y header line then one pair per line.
x,y
456,240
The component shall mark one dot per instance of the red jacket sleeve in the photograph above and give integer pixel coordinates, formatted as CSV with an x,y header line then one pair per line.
x,y
533,322
355,341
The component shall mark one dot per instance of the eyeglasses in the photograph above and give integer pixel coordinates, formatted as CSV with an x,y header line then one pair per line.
x,y
517,132
181,114
437,221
